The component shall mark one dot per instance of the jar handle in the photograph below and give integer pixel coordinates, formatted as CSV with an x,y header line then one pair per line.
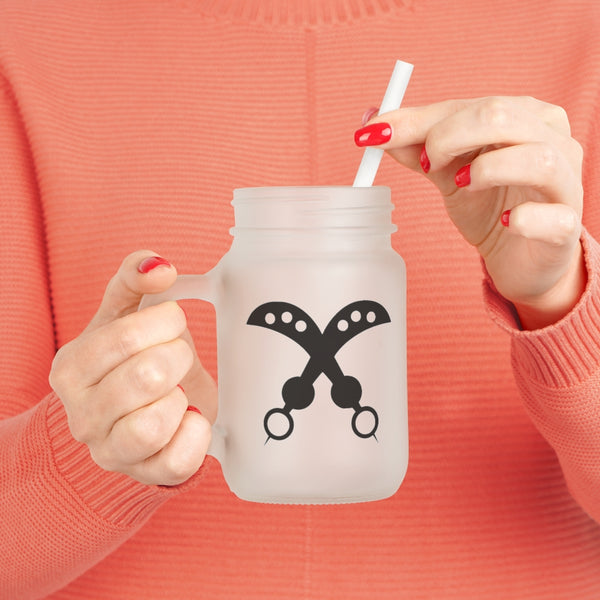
x,y
193,287
186,287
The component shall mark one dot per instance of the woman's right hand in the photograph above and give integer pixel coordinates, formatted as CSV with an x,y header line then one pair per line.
x,y
119,381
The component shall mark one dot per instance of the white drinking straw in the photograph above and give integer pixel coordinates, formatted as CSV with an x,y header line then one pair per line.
x,y
391,101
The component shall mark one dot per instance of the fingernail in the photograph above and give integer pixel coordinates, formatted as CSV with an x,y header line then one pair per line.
x,y
424,160
369,114
194,409
373,135
151,263
463,176
181,388
505,218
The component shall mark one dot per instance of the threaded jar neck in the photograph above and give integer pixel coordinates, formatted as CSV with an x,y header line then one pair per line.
x,y
315,210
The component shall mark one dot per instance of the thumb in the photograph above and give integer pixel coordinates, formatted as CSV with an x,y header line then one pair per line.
x,y
142,272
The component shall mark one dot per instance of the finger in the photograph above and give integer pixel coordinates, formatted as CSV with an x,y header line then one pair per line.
x,y
409,126
409,156
143,432
200,387
553,115
534,165
369,114
91,356
138,382
491,122
181,457
142,272
406,130
556,225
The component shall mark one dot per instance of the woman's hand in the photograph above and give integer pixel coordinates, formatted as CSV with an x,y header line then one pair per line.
x,y
510,175
119,381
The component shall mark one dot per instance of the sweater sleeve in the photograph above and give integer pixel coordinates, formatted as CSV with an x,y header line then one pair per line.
x,y
59,512
557,369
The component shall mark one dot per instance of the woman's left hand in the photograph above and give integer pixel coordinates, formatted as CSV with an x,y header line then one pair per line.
x,y
510,175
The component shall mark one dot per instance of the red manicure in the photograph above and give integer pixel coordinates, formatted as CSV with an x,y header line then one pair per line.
x,y
194,409
373,135
151,263
505,218
463,176
368,115
424,160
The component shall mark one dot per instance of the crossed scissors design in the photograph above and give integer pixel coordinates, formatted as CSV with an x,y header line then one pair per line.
x,y
298,392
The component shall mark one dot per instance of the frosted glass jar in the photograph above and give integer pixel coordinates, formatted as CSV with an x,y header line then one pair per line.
x,y
311,334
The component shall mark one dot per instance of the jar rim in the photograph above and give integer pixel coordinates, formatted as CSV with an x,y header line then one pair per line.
x,y
314,208
379,192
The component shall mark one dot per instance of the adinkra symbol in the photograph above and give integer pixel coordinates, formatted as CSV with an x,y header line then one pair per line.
x,y
298,392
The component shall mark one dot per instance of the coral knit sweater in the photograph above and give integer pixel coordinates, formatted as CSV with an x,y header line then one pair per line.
x,y
126,125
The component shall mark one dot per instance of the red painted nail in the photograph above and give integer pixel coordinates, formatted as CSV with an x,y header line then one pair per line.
x,y
369,114
463,176
373,135
424,160
151,263
194,409
181,388
505,218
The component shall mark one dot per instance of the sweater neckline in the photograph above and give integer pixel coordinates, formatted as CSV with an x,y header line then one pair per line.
x,y
300,12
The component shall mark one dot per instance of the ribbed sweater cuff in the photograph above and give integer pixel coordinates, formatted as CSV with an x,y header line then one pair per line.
x,y
567,352
114,497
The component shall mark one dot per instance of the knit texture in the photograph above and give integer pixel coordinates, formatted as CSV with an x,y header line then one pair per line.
x,y
126,125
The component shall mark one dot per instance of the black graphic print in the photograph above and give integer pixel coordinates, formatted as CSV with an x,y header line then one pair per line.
x,y
298,392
